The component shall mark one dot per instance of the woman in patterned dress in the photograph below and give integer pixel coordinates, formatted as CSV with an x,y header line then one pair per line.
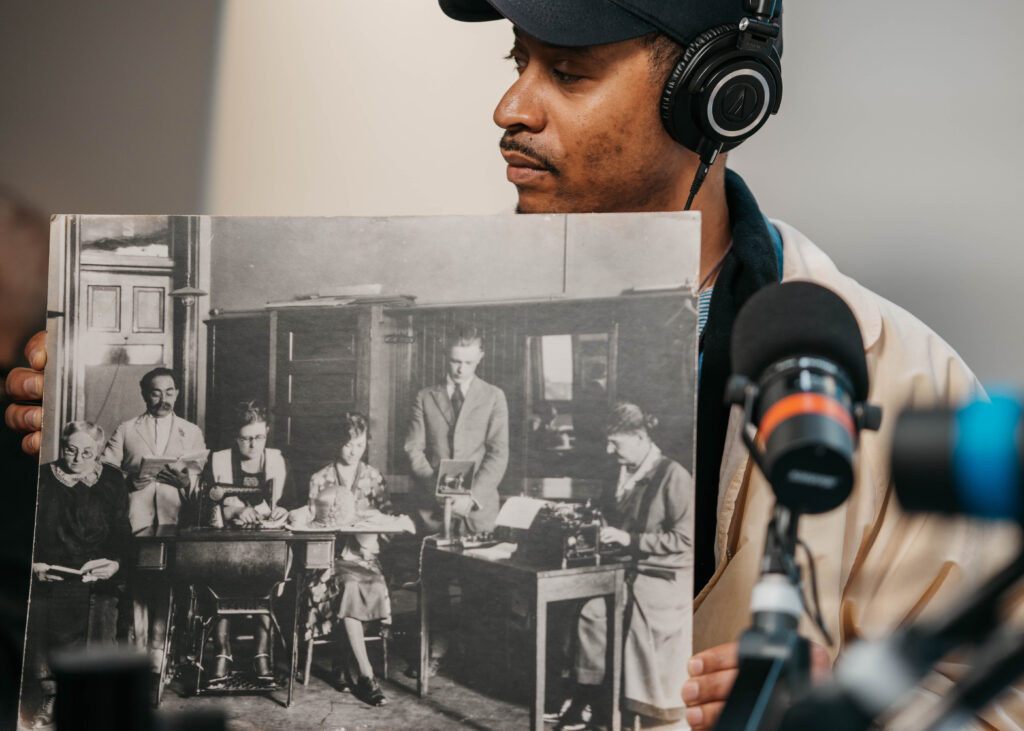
x,y
354,591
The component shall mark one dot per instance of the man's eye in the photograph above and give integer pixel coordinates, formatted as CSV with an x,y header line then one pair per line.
x,y
520,63
564,78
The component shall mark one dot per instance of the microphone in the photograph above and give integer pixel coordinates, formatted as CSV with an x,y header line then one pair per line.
x,y
966,461
800,372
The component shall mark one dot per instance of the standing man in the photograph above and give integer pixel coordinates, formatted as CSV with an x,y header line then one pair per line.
x,y
155,500
159,432
462,418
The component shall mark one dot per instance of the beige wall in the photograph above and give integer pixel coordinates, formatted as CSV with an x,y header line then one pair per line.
x,y
439,259
348,107
104,105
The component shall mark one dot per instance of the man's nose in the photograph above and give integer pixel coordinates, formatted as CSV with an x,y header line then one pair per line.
x,y
521,108
609,448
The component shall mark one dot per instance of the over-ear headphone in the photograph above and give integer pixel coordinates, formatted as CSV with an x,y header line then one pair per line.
x,y
727,83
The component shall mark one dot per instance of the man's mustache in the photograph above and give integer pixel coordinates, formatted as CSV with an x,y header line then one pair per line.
x,y
511,144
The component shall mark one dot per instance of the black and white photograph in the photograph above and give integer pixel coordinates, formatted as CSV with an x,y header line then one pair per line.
x,y
428,476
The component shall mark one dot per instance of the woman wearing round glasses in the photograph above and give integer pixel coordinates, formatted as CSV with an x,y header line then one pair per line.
x,y
82,532
250,464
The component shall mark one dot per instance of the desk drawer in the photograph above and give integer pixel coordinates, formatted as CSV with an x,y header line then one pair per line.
x,y
152,557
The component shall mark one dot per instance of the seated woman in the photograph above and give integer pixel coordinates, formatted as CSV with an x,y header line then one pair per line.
x,y
82,532
354,591
249,463
649,511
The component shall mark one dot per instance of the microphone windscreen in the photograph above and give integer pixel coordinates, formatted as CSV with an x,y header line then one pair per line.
x,y
794,319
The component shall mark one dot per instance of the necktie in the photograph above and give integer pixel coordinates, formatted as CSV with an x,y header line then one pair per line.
x,y
457,399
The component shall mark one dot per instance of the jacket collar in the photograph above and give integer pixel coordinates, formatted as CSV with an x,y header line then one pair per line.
x,y
143,426
471,398
803,260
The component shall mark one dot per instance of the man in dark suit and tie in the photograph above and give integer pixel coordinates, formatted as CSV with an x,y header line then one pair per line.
x,y
463,418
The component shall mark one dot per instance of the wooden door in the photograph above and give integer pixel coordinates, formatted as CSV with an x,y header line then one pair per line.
x,y
125,329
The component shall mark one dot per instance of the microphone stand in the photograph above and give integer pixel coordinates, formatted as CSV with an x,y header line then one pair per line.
x,y
774,660
1000,663
873,677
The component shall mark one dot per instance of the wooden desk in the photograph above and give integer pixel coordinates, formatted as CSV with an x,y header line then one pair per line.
x,y
542,586
155,556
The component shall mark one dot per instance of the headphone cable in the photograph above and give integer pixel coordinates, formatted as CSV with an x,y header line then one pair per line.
x,y
708,152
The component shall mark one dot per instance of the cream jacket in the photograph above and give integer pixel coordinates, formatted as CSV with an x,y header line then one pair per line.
x,y
877,566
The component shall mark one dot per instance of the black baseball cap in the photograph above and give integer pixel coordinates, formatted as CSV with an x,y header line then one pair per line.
x,y
595,22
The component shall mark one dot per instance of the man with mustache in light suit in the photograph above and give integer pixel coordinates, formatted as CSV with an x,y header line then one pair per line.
x,y
159,432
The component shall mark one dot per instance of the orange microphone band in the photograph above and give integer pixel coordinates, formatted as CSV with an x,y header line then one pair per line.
x,y
803,403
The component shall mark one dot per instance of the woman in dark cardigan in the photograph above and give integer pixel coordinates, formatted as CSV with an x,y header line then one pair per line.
x,y
82,532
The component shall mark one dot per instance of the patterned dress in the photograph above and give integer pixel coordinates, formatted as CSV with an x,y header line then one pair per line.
x,y
355,587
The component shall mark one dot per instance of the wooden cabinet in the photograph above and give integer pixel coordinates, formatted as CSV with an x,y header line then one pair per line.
x,y
309,366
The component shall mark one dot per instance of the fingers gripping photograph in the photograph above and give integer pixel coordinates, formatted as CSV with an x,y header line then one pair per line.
x,y
544,415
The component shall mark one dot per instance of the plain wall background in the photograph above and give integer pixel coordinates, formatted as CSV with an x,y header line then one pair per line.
x,y
897,148
438,259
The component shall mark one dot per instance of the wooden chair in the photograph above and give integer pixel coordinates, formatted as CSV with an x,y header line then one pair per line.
x,y
377,631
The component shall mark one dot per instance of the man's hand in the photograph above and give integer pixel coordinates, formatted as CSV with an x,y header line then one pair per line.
x,y
26,384
175,478
99,569
615,535
278,513
712,674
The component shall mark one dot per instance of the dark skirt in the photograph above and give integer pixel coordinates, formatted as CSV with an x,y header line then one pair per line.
x,y
352,589
68,615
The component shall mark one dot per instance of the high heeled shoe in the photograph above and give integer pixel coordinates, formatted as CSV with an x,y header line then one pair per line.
x,y
368,690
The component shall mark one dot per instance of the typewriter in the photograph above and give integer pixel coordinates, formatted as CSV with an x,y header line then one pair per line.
x,y
562,535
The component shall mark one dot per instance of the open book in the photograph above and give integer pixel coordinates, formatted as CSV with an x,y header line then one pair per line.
x,y
151,466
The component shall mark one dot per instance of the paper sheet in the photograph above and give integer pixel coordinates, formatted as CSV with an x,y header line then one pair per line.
x,y
519,512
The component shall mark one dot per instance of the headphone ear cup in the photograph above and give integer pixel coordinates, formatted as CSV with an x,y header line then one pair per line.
x,y
674,121
719,92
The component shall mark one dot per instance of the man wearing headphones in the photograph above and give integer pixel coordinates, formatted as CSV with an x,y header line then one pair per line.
x,y
629,105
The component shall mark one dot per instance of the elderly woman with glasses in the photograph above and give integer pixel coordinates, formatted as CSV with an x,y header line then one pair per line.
x,y
251,465
82,532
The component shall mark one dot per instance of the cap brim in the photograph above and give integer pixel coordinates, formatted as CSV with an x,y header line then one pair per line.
x,y
557,23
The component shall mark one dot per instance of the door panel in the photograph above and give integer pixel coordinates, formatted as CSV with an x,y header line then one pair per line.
x,y
127,331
